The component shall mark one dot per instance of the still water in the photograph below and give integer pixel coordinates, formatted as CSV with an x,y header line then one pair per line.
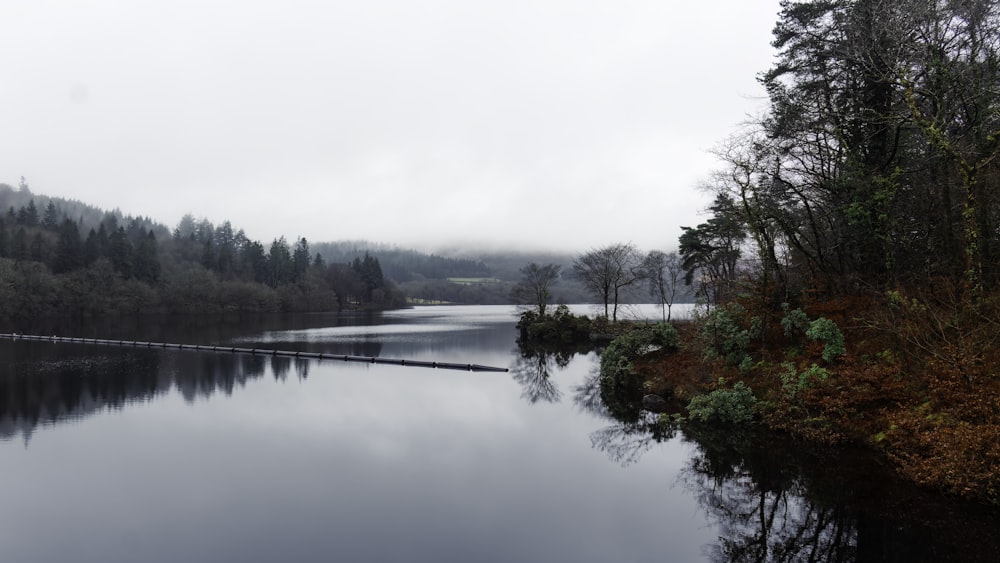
x,y
120,454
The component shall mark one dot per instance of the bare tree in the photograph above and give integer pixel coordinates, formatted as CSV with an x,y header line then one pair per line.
x,y
663,273
606,271
534,287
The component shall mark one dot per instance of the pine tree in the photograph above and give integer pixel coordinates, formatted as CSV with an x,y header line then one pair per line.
x,y
69,250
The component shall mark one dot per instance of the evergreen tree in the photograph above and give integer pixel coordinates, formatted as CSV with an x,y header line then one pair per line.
x,y
37,251
370,273
69,250
120,252
4,239
50,220
27,216
711,251
225,248
208,256
19,245
280,267
255,262
96,245
300,259
147,261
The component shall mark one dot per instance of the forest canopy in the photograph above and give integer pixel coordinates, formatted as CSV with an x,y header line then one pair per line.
x,y
875,166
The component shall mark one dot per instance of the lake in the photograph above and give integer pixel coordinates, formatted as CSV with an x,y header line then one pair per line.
x,y
123,454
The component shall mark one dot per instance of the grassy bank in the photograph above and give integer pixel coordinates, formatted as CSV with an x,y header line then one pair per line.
x,y
911,378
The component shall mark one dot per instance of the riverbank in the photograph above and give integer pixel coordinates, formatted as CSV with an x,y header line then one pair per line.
x,y
894,389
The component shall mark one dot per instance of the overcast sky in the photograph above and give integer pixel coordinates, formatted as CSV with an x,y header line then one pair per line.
x,y
540,124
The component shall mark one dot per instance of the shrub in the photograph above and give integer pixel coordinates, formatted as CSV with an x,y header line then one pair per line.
x,y
665,336
724,336
620,386
795,322
561,327
727,406
826,331
793,381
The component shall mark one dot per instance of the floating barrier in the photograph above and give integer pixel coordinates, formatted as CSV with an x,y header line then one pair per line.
x,y
254,352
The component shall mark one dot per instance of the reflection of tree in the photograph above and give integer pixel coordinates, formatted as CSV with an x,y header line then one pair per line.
x,y
302,368
763,510
280,366
534,365
42,384
775,500
587,395
70,385
626,442
532,370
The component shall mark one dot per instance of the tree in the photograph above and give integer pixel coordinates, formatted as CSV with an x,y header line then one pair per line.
x,y
27,216
877,161
254,261
147,261
662,272
712,250
69,249
369,271
19,245
606,271
97,245
225,242
120,252
346,283
4,239
279,263
300,258
534,289
50,219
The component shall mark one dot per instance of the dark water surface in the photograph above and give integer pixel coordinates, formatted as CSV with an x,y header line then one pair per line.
x,y
118,454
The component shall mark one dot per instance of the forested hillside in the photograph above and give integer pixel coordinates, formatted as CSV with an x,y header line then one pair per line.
x,y
65,258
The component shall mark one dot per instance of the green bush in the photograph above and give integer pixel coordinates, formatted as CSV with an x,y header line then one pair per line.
x,y
793,381
665,336
726,406
795,322
621,389
826,331
724,335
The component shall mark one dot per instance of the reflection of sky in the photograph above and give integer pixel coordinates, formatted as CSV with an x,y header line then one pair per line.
x,y
354,332
357,462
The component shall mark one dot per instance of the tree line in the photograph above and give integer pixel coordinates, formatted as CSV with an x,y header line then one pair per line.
x,y
865,197
874,167
610,274
126,265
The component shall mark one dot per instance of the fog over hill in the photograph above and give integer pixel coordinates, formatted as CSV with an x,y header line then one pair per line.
x,y
454,274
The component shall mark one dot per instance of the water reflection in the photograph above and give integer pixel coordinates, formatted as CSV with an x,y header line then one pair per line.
x,y
626,442
43,383
763,506
532,369
454,464
775,500
587,395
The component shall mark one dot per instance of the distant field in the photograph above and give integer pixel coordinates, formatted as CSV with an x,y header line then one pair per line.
x,y
473,281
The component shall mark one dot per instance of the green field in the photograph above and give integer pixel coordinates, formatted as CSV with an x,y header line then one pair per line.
x,y
473,281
